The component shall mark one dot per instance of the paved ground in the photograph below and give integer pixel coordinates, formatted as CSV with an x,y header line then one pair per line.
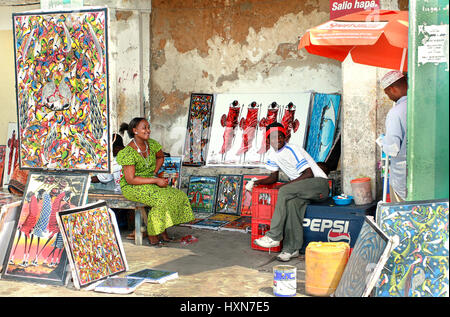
x,y
220,264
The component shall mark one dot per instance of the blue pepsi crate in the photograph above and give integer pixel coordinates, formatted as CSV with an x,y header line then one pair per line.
x,y
328,222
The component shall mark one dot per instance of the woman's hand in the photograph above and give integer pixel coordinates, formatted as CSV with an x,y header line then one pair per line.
x,y
162,182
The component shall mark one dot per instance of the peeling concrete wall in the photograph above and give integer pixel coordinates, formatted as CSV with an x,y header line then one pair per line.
x,y
221,46
129,58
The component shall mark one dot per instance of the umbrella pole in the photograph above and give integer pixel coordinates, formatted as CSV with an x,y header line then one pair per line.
x,y
402,64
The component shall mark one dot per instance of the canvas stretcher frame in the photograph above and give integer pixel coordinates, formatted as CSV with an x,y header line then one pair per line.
x,y
362,268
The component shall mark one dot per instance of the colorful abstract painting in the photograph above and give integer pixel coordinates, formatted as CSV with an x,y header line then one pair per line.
x,y
171,169
202,193
229,194
36,250
246,196
239,125
11,154
197,134
370,253
61,62
92,239
324,123
418,266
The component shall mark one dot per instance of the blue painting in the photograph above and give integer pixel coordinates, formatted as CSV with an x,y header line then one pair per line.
x,y
418,266
324,122
171,169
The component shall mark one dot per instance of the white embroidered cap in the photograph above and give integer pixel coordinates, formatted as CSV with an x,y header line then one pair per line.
x,y
390,78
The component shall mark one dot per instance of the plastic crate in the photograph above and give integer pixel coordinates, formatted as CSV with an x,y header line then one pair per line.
x,y
264,199
259,228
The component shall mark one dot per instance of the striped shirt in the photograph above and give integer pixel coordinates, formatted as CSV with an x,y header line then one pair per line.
x,y
293,161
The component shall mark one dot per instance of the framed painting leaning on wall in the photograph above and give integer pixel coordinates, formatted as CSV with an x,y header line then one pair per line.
x,y
197,132
229,194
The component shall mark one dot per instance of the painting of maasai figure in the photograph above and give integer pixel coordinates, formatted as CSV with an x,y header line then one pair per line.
x,y
36,250
92,239
324,123
418,266
197,134
240,120
229,194
202,193
61,63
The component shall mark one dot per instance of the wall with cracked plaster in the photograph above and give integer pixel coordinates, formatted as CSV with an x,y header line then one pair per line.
x,y
230,46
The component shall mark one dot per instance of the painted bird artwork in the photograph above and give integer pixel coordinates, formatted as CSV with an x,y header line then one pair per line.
x,y
248,125
230,122
62,80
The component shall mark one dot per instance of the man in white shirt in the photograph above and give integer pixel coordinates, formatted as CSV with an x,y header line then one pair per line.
x,y
395,86
307,182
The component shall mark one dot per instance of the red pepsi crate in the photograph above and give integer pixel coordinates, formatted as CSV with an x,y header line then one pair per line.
x,y
259,229
264,199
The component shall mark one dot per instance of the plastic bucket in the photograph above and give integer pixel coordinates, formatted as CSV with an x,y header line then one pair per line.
x,y
284,280
362,190
324,264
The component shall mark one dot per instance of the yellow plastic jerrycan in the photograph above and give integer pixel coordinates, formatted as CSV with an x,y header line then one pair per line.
x,y
324,265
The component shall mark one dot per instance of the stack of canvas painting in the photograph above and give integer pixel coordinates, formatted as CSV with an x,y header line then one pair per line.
x,y
36,251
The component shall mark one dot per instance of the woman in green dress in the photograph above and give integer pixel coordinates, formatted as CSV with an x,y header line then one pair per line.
x,y
141,160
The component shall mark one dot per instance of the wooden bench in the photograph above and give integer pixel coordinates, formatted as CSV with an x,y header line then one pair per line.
x,y
115,200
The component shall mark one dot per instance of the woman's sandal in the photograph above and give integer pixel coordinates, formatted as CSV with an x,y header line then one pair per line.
x,y
155,244
167,238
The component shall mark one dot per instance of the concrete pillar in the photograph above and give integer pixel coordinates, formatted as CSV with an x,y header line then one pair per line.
x,y
364,109
129,59
359,128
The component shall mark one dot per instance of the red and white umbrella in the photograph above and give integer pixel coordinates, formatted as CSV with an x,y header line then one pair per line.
x,y
373,37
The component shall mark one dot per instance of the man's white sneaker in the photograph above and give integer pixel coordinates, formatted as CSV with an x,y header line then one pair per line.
x,y
266,242
285,256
